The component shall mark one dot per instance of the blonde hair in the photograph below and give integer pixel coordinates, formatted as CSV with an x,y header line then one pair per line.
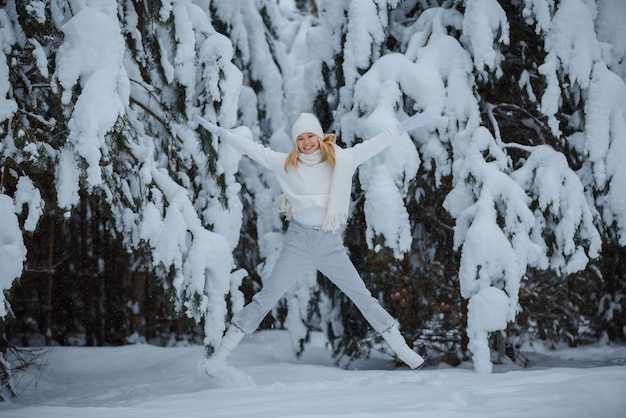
x,y
327,148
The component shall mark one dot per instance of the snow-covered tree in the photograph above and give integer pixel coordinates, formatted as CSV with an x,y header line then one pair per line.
x,y
101,109
517,184
512,213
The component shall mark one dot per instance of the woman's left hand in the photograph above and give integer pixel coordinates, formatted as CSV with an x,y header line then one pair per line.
x,y
416,121
211,127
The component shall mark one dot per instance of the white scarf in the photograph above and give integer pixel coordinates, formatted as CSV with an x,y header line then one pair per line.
x,y
340,191
340,188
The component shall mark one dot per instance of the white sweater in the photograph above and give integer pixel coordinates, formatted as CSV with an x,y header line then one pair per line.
x,y
307,187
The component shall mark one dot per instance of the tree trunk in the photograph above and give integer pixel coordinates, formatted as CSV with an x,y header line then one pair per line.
x,y
87,282
50,283
137,296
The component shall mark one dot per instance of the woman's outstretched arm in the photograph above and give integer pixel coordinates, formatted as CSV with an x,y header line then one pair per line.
x,y
367,149
259,153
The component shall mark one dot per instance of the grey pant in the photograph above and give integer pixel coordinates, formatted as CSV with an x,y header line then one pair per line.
x,y
304,249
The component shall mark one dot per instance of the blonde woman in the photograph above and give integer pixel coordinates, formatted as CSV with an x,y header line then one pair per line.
x,y
316,180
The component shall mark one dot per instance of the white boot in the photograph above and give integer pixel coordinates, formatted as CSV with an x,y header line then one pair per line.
x,y
404,352
230,340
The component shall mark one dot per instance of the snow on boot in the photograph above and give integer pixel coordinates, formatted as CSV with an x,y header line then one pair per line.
x,y
226,376
399,345
230,340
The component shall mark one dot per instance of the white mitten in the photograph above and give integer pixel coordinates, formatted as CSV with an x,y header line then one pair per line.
x,y
211,127
414,122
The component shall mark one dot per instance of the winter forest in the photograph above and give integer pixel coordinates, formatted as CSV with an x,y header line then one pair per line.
x,y
499,225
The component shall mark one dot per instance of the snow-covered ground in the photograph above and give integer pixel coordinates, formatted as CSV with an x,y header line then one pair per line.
x,y
264,379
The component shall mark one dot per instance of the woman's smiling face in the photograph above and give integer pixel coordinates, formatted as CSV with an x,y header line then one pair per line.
x,y
308,142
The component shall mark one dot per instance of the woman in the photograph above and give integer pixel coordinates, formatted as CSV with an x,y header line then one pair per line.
x,y
316,180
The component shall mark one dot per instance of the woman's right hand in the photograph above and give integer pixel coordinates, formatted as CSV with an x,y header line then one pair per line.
x,y
211,127
414,122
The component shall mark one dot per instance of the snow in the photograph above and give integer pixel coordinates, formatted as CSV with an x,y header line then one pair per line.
x,y
265,380
487,312
91,55
613,34
573,40
38,10
364,33
7,106
484,19
12,250
435,73
28,194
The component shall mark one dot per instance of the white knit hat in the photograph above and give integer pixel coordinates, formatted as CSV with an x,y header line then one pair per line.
x,y
306,122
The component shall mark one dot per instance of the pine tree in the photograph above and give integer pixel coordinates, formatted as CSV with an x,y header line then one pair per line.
x,y
497,199
103,144
502,223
